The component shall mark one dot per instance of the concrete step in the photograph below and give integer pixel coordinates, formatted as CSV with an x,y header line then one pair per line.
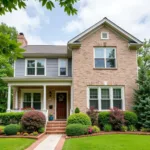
x,y
56,122
56,132
55,128
56,125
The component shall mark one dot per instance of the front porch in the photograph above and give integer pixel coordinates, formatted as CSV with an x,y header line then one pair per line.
x,y
50,98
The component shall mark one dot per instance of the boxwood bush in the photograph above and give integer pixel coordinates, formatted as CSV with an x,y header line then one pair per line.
x,y
103,118
11,118
33,120
130,118
79,118
76,129
11,129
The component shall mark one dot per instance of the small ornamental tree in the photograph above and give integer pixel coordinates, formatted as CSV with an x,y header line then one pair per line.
x,y
33,120
142,98
77,110
116,119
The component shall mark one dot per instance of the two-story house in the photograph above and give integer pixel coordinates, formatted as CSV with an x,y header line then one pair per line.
x,y
97,68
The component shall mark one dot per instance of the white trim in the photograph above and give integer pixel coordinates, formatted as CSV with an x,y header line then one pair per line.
x,y
110,93
59,61
44,97
35,59
9,98
40,84
104,20
56,102
14,68
103,37
31,91
105,62
16,99
71,100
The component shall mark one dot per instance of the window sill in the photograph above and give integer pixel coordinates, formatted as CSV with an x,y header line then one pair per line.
x,y
105,68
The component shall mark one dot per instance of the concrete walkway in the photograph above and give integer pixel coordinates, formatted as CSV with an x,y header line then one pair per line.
x,y
49,143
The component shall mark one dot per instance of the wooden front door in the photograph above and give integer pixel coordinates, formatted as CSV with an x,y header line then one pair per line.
x,y
61,105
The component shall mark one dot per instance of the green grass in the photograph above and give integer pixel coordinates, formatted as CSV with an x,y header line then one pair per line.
x,y
15,143
109,142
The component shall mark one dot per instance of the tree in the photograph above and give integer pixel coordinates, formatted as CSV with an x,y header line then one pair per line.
x,y
10,5
9,51
142,98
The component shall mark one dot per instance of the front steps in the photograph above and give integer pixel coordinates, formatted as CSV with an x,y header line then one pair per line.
x,y
56,127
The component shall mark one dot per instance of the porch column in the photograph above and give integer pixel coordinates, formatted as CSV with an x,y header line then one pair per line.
x,y
44,98
72,109
9,98
16,98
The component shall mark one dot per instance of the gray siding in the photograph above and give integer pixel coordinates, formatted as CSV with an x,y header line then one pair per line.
x,y
51,67
20,68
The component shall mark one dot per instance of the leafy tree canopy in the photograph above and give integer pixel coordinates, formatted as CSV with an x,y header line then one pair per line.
x,y
10,5
9,51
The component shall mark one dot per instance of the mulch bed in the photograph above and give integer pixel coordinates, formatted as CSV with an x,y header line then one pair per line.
x,y
21,136
108,133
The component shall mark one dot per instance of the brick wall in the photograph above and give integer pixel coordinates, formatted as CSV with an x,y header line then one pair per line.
x,y
84,73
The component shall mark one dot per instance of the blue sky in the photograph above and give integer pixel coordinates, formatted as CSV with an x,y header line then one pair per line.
x,y
42,26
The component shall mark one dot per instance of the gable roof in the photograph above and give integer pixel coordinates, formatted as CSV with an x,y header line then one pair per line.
x,y
111,24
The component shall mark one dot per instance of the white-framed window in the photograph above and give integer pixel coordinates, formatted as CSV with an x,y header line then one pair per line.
x,y
62,67
105,97
35,67
105,35
104,57
31,98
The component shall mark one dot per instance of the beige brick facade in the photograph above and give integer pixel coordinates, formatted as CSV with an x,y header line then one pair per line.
x,y
85,75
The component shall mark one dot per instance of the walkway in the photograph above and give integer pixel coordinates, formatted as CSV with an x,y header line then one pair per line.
x,y
49,142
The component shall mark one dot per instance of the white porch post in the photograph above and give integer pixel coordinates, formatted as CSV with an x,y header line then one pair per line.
x,y
44,98
16,98
72,109
9,98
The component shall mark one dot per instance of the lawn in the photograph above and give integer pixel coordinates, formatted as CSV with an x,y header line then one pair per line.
x,y
15,143
109,142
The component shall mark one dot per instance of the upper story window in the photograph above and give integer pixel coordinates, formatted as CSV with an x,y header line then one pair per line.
x,y
63,67
105,35
105,57
35,67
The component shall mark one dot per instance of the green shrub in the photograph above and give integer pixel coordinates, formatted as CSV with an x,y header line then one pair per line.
x,y
107,127
41,130
11,129
130,118
103,118
79,118
95,129
76,129
77,110
124,128
35,133
11,118
25,134
132,128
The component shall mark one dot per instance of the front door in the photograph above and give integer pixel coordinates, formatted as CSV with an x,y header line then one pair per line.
x,y
61,109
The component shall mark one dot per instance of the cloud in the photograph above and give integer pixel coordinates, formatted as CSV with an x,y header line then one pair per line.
x,y
133,16
26,23
60,42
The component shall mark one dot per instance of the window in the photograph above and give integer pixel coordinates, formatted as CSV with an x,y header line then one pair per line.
x,y
94,98
104,98
35,67
104,35
63,67
32,100
105,57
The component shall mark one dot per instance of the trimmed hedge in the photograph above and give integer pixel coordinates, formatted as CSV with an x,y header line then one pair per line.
x,y
11,129
103,118
79,118
76,129
130,118
11,118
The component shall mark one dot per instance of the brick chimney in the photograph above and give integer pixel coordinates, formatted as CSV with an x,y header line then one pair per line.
x,y
21,39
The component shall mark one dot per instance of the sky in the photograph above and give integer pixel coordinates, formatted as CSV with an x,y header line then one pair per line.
x,y
42,27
